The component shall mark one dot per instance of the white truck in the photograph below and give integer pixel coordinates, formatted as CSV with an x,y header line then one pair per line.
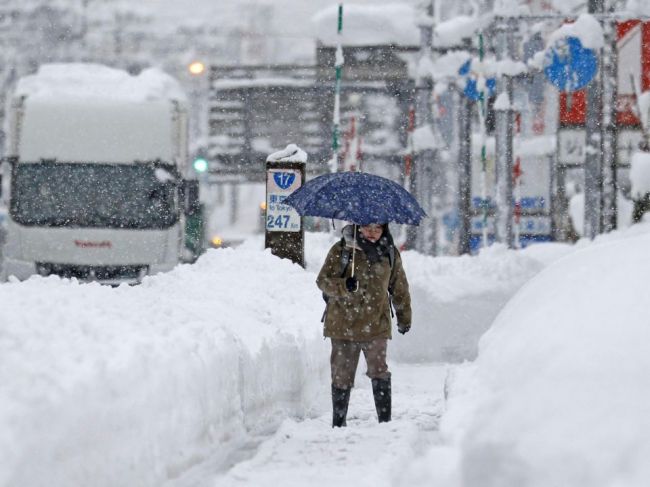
x,y
97,162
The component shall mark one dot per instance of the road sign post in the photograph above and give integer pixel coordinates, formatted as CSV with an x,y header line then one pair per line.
x,y
285,233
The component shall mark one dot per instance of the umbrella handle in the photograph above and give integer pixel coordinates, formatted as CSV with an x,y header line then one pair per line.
x,y
354,246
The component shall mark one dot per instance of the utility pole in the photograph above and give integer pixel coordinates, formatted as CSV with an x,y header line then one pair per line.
x,y
594,146
338,64
422,174
504,128
464,173
609,127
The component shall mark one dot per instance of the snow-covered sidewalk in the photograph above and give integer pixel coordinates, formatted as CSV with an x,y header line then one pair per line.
x,y
365,453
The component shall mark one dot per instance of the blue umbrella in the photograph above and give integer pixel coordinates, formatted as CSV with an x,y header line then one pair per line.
x,y
358,197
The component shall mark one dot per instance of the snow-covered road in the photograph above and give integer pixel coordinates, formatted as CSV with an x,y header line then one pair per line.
x,y
309,452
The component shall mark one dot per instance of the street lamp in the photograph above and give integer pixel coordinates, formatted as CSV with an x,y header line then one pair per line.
x,y
196,68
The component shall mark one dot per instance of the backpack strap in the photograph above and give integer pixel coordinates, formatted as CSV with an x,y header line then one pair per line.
x,y
391,261
346,256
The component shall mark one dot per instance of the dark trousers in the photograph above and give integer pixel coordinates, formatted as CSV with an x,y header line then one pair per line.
x,y
345,358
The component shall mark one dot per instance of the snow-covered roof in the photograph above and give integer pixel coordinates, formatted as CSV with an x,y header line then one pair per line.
x,y
95,81
90,112
369,25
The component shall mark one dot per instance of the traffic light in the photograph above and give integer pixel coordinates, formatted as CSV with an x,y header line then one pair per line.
x,y
200,164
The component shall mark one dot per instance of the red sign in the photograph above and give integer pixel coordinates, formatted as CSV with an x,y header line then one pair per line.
x,y
633,49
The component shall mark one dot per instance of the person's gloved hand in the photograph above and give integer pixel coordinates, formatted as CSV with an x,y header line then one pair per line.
x,y
403,328
352,284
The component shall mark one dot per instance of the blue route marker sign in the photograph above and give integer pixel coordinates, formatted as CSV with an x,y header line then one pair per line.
x,y
569,66
284,179
471,86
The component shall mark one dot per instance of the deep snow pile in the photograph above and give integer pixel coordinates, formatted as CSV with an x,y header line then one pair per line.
x,y
134,385
559,392
457,298
130,386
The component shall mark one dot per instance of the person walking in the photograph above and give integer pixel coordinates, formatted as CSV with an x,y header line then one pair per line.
x,y
361,279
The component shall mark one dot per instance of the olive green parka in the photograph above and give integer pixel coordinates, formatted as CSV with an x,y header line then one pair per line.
x,y
364,314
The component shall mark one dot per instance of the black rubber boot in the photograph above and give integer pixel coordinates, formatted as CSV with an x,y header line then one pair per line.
x,y
340,400
382,391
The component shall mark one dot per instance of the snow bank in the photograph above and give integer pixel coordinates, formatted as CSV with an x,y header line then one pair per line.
x,y
369,25
135,385
558,394
132,385
455,300
577,212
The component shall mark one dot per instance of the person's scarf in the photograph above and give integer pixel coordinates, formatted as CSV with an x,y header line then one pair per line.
x,y
375,251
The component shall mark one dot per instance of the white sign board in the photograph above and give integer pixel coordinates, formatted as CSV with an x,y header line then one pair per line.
x,y
528,225
280,183
572,142
627,144
571,146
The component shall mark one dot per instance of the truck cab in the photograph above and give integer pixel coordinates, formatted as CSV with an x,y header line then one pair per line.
x,y
98,165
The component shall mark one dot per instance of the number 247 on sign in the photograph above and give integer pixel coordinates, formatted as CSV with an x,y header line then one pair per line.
x,y
281,221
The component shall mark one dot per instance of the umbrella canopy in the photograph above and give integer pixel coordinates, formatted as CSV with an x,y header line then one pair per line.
x,y
357,197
